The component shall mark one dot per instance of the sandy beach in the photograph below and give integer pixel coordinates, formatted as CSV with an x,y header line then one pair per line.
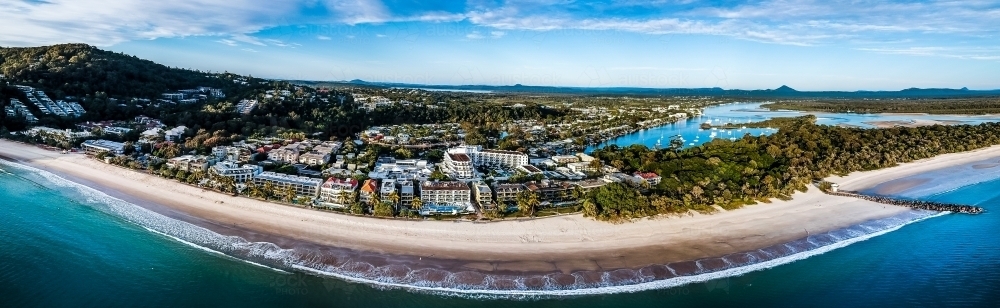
x,y
565,243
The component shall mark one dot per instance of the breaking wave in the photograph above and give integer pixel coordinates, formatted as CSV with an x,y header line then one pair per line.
x,y
356,267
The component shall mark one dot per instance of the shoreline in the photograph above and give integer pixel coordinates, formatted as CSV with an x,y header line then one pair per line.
x,y
564,243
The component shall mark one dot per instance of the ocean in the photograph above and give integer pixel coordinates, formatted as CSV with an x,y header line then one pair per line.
x,y
62,244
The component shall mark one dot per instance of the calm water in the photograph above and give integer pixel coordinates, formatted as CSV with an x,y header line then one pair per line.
x,y
64,245
692,134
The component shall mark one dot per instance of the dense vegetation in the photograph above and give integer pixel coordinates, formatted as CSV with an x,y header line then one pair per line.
x,y
730,174
80,70
980,105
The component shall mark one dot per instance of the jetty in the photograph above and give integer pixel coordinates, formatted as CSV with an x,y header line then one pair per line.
x,y
914,204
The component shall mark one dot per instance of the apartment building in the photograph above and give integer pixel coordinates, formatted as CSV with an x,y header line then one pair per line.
x,y
93,147
239,174
458,165
336,192
507,192
445,192
303,186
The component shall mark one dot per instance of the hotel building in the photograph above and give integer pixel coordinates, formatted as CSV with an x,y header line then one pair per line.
x,y
304,187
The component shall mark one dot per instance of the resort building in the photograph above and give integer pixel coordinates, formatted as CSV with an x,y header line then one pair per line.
x,y
491,158
368,189
408,169
584,158
239,174
337,193
507,192
445,192
190,163
303,186
458,165
93,147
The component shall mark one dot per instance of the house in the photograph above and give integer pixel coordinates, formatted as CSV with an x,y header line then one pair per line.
x,y
529,169
93,147
584,157
190,163
288,154
582,167
589,185
652,178
174,134
368,189
314,158
337,193
303,186
445,192
564,159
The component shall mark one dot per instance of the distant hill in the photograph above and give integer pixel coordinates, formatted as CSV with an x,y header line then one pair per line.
x,y
80,69
777,93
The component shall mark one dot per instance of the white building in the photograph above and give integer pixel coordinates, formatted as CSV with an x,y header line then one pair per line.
x,y
303,186
445,192
458,165
492,158
174,134
239,174
190,163
565,159
94,147
336,192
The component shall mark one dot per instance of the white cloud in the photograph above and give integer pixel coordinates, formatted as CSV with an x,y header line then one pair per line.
x,y
227,42
474,35
323,38
105,23
973,53
249,50
497,34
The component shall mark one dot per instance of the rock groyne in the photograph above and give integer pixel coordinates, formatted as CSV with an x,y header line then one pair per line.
x,y
914,204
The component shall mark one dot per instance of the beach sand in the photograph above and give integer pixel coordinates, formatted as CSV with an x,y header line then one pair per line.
x,y
557,244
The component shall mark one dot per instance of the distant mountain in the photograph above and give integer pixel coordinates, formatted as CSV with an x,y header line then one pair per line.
x,y
80,69
782,92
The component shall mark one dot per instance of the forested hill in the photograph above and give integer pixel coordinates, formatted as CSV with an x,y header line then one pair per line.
x,y
80,70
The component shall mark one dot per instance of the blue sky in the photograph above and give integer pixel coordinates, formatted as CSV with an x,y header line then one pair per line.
x,y
806,44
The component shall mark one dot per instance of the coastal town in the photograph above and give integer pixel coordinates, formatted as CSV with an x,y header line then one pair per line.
x,y
445,169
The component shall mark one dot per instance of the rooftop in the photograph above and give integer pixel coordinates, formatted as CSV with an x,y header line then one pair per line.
x,y
459,157
443,185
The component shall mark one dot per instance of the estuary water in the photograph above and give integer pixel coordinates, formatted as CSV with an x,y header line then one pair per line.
x,y
689,130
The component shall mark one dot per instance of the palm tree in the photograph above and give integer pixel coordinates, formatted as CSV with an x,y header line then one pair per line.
x,y
289,194
269,190
375,199
254,191
394,199
416,204
527,201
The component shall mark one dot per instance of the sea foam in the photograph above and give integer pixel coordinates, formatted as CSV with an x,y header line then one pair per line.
x,y
474,284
